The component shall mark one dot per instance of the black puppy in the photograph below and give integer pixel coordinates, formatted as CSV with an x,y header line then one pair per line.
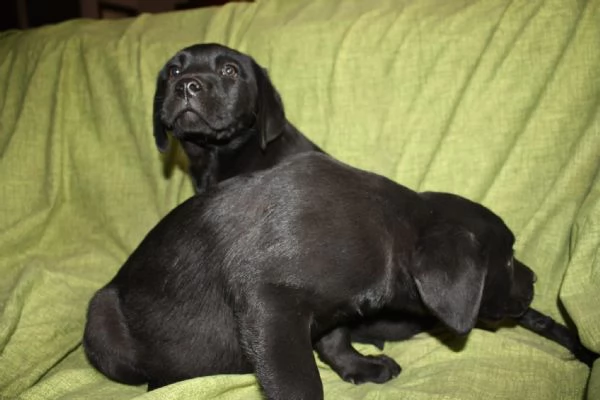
x,y
493,237
222,107
258,272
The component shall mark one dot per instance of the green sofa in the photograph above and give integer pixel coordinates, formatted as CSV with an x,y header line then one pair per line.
x,y
496,100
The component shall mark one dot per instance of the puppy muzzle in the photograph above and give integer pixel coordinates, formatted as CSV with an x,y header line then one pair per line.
x,y
522,291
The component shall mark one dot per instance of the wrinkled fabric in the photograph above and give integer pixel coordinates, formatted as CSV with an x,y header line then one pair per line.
x,y
495,100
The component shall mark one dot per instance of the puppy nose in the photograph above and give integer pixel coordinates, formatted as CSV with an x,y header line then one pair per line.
x,y
189,87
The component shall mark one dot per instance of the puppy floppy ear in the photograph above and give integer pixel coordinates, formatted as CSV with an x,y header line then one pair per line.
x,y
160,130
270,115
449,277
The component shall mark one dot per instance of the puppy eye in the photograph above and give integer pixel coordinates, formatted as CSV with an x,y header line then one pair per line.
x,y
229,70
174,71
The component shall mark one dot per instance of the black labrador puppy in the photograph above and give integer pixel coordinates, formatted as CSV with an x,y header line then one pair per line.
x,y
225,112
266,267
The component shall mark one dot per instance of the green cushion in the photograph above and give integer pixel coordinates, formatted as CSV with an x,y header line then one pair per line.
x,y
496,100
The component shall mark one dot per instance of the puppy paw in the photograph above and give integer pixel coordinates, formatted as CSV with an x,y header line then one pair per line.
x,y
376,369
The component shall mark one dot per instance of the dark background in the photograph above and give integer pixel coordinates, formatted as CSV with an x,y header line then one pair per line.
x,y
22,14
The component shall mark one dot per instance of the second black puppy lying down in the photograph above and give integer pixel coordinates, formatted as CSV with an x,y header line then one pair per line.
x,y
267,267
223,109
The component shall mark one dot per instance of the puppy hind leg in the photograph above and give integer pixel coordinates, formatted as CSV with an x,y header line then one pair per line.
x,y
335,349
106,341
275,335
154,384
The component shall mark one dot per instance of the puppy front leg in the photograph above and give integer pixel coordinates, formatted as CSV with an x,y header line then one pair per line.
x,y
382,328
335,349
275,336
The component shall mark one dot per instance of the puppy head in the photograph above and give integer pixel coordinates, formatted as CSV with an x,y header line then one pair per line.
x,y
508,291
209,93
465,269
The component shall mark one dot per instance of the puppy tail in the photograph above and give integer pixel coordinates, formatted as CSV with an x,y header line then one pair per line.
x,y
552,330
107,342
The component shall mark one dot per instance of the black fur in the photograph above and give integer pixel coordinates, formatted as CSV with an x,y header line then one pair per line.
x,y
263,269
226,113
